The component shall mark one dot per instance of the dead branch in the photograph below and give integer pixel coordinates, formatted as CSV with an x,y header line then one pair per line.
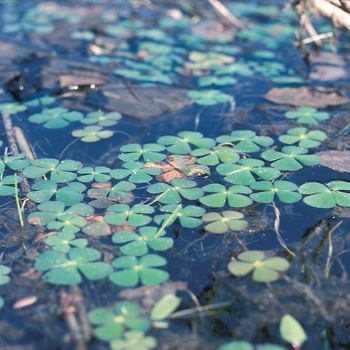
x,y
327,9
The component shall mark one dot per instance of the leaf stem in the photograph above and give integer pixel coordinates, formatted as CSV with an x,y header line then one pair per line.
x,y
276,226
18,203
159,197
167,221
327,269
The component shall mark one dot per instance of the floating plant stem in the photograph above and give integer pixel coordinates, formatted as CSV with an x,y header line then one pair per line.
x,y
23,143
167,221
10,135
159,197
330,249
187,312
19,210
276,227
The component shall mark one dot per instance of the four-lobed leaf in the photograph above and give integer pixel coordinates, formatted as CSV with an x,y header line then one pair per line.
x,y
139,243
228,220
326,195
235,196
265,191
132,270
246,140
55,118
290,158
242,172
307,115
264,269
304,138
60,269
112,324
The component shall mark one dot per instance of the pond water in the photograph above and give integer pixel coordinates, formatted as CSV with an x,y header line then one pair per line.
x,y
171,204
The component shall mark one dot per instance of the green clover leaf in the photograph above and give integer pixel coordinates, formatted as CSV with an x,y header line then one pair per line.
x,y
228,220
208,97
133,340
215,80
291,158
69,223
63,270
138,244
180,144
121,192
45,189
188,216
89,174
216,155
284,190
11,108
64,241
264,270
7,185
326,195
246,140
234,196
242,172
136,172
172,193
149,152
134,270
136,215
305,139
92,133
63,171
16,162
112,324
307,115
55,118
102,119
4,278
49,211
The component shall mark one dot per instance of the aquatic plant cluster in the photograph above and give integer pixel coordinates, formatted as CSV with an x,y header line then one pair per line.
x,y
185,178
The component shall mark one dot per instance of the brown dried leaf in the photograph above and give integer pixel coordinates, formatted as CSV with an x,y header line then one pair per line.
x,y
336,160
25,302
67,80
325,72
305,96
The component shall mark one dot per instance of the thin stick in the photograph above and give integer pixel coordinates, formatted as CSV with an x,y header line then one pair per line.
x,y
224,12
316,37
330,249
187,312
19,210
276,227
14,150
167,221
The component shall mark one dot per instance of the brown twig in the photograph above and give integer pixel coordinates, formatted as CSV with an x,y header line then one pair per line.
x,y
339,17
223,11
10,135
306,23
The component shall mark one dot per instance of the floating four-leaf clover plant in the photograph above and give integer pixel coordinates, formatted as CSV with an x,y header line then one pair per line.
x,y
307,115
4,279
111,325
264,269
304,138
55,118
246,140
228,220
138,244
132,270
209,97
61,269
326,195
